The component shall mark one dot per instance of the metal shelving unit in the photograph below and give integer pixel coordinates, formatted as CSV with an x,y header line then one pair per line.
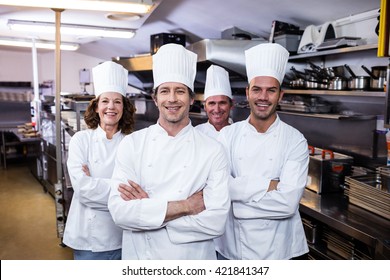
x,y
355,93
334,52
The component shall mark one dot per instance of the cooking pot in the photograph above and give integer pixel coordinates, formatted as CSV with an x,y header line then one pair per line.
x,y
379,71
357,82
298,83
335,71
338,83
311,83
378,78
323,84
327,170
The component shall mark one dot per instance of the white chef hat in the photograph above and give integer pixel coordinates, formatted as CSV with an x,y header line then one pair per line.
x,y
217,82
174,63
268,59
110,77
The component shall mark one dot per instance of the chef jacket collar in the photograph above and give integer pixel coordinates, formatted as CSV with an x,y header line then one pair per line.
x,y
160,130
271,129
101,134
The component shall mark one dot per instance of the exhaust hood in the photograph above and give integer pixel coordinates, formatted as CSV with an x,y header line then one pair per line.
x,y
225,53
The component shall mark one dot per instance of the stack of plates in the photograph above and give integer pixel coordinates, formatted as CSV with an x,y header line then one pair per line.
x,y
370,192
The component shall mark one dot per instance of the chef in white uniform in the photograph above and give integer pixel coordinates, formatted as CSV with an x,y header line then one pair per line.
x,y
217,101
177,176
268,165
89,229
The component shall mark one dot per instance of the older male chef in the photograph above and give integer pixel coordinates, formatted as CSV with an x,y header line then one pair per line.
x,y
172,198
269,165
217,101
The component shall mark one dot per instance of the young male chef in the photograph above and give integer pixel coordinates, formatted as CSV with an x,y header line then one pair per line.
x,y
172,199
217,101
269,165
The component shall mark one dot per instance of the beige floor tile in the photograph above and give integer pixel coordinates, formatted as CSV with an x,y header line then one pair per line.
x,y
27,218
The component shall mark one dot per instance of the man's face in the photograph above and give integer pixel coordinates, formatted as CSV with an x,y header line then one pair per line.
x,y
173,101
263,97
218,109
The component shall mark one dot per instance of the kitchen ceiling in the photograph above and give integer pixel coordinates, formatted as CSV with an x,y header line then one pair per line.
x,y
198,19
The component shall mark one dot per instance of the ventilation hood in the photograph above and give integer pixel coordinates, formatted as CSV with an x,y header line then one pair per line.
x,y
225,53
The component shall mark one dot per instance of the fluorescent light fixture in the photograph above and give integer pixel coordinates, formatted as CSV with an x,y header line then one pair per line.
x,y
70,29
133,6
39,44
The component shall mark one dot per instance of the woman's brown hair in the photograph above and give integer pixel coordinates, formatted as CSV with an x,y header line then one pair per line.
x,y
126,123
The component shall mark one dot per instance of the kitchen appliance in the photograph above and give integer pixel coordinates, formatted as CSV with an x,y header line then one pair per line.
x,y
327,170
158,40
312,37
339,42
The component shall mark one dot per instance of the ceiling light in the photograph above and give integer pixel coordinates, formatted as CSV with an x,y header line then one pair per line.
x,y
123,16
70,29
39,44
118,6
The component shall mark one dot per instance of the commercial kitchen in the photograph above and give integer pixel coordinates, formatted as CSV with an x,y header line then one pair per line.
x,y
335,94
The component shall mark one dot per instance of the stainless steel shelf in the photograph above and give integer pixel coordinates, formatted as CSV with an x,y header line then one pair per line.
x,y
330,116
337,92
334,51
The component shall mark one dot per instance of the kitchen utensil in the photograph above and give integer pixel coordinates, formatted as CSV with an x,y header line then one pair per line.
x,y
378,78
338,83
357,82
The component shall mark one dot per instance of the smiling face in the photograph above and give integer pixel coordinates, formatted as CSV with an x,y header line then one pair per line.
x,y
263,97
173,101
218,109
110,109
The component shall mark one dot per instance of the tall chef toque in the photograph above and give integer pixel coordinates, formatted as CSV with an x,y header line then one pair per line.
x,y
110,77
217,82
174,63
268,59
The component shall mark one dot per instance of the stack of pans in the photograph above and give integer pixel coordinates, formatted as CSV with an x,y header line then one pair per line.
x,y
371,191
345,247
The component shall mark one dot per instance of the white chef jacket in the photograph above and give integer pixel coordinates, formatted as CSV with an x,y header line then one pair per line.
x,y
170,169
261,224
89,225
209,129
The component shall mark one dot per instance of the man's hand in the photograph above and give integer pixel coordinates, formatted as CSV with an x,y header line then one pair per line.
x,y
273,185
195,203
131,191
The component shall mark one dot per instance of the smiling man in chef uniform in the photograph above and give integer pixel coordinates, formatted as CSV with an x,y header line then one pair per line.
x,y
269,165
172,199
217,101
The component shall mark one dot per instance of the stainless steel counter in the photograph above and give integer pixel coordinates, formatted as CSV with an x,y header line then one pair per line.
x,y
334,210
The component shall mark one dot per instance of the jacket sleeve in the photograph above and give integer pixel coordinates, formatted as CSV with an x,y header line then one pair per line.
x,y
139,214
92,191
283,202
211,222
240,186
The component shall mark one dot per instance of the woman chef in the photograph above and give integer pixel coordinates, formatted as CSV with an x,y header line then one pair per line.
x,y
90,230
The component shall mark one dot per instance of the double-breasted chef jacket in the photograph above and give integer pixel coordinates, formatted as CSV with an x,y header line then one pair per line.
x,y
89,225
261,224
170,169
